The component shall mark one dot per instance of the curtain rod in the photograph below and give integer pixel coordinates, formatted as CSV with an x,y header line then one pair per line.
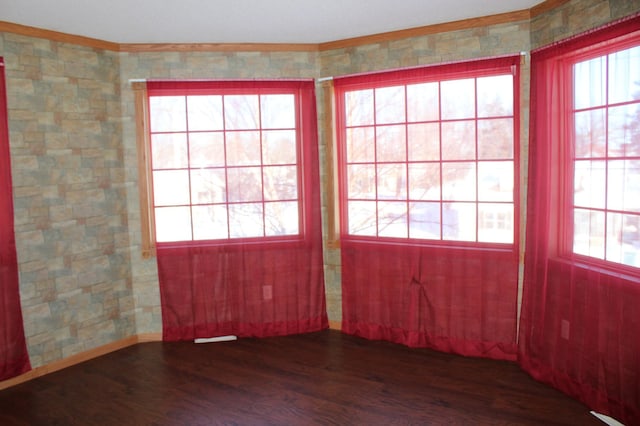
x,y
521,53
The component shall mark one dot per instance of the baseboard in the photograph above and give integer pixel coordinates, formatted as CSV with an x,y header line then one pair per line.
x,y
81,357
149,337
335,325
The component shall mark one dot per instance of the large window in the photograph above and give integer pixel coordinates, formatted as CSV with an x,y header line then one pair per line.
x,y
606,155
430,154
225,161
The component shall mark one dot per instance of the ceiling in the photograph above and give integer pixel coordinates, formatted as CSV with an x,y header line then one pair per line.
x,y
243,21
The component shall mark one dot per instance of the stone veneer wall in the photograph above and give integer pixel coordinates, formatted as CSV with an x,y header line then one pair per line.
x,y
71,118
69,195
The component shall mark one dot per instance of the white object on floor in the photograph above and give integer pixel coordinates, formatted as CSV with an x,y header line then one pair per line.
x,y
216,339
608,420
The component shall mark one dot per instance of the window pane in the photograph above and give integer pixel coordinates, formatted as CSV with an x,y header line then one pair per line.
x,y
390,105
361,181
359,108
459,140
588,233
495,139
241,112
623,239
281,218
392,181
279,147
623,191
209,222
206,149
495,181
278,111
169,151
208,186
458,99
361,145
459,181
424,142
171,187
392,219
423,102
243,148
589,83
590,133
391,143
424,181
205,112
424,220
459,221
624,69
280,183
244,184
246,220
495,223
167,114
495,96
624,130
173,224
589,184
362,217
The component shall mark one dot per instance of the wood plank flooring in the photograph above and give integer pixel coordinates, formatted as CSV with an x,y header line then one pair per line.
x,y
324,378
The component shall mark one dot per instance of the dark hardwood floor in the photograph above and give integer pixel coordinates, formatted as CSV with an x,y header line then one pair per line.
x,y
318,378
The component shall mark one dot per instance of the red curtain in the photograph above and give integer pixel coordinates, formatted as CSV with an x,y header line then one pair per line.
x,y
14,359
580,324
458,299
258,288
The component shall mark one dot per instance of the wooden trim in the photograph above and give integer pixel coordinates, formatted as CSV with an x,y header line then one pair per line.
x,y
331,166
69,361
149,337
147,222
546,6
483,21
335,325
9,27
217,47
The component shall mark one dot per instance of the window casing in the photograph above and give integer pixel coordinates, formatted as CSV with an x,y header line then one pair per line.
x,y
223,161
430,154
603,216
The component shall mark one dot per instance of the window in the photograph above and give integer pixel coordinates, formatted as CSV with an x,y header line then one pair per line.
x,y
605,212
224,160
430,154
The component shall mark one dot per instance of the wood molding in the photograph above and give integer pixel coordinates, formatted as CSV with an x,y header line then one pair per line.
x,y
483,21
331,165
546,6
143,145
217,47
9,27
149,337
335,325
69,361
463,24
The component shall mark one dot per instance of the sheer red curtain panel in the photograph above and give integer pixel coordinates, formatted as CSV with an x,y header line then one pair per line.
x,y
247,260
14,358
580,324
428,245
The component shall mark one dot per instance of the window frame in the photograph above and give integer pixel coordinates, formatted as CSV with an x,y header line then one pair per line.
x,y
566,159
478,68
304,110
